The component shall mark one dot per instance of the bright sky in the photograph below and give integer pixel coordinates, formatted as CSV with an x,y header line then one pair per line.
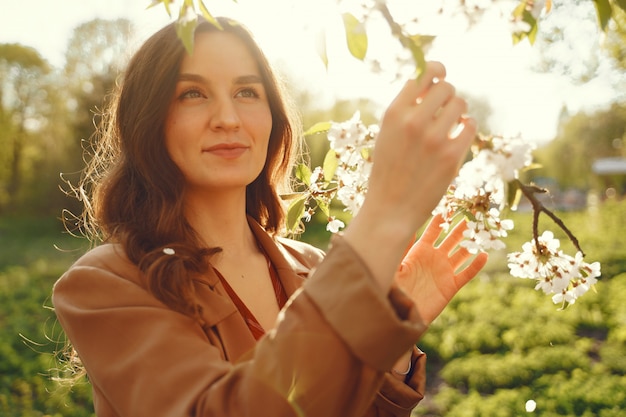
x,y
482,63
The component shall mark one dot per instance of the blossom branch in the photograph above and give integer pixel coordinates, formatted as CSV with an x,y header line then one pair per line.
x,y
529,191
478,194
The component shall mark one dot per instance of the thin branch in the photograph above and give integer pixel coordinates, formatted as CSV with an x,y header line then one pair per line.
x,y
529,191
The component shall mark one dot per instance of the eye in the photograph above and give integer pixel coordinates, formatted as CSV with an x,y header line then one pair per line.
x,y
248,92
190,93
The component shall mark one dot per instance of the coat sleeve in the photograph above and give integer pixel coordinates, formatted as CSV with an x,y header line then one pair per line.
x,y
327,356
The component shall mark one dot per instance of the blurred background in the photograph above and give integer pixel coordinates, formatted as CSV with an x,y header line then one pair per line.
x,y
500,348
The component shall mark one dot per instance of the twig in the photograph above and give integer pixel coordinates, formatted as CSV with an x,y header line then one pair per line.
x,y
529,191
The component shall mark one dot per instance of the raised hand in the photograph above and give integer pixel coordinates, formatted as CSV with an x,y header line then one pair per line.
x,y
431,275
423,139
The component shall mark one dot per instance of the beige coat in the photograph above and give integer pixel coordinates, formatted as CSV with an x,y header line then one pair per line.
x,y
329,354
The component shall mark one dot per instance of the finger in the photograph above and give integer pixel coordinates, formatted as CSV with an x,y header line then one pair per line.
x,y
450,114
436,99
453,238
465,132
459,257
433,230
413,89
472,269
407,255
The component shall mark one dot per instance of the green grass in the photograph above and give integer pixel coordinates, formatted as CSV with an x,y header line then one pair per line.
x,y
34,253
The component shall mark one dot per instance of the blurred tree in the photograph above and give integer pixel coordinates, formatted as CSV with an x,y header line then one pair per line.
x,y
96,54
616,39
582,139
24,105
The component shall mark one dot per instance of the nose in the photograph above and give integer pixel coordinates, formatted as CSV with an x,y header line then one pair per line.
x,y
224,115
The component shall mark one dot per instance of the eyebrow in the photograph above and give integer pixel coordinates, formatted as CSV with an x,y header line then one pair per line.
x,y
244,79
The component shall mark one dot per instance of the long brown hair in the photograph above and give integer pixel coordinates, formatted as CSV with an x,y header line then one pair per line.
x,y
131,188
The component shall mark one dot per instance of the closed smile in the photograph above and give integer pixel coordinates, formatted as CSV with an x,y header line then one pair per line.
x,y
227,150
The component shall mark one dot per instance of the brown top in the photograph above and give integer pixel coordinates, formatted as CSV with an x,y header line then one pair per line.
x,y
253,324
328,355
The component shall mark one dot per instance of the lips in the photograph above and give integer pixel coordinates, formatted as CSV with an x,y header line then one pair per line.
x,y
227,150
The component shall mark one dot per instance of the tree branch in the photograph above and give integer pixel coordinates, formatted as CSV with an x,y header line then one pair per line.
x,y
529,191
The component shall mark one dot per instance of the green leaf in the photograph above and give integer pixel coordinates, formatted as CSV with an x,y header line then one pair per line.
x,y
186,26
166,3
320,46
532,33
291,196
323,206
355,35
295,213
331,162
366,153
423,41
520,13
514,195
532,22
320,127
519,10
468,215
604,12
303,173
532,166
621,4
413,44
208,16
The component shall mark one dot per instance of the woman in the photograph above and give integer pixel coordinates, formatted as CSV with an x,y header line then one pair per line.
x,y
195,306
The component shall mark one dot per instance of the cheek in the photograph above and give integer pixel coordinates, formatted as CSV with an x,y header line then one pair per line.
x,y
173,143
176,129
170,142
265,128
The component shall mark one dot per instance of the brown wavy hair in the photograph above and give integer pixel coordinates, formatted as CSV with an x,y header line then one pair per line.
x,y
131,189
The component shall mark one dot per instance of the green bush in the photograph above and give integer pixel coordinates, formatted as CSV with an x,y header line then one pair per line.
x,y
500,343
503,403
487,373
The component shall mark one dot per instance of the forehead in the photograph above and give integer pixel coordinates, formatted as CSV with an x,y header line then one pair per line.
x,y
219,51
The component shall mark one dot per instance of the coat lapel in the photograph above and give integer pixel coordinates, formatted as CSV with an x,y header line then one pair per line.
x,y
224,326
290,271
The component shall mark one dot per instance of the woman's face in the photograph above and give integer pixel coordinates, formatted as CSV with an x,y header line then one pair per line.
x,y
219,121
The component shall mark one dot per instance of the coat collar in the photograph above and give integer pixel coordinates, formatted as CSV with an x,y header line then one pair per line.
x,y
291,272
223,324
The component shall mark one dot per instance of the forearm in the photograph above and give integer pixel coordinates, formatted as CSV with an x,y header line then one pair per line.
x,y
380,237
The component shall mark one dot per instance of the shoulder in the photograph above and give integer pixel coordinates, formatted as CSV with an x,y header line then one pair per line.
x,y
110,256
107,260
306,254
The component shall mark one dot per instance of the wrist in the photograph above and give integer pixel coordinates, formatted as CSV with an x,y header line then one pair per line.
x,y
380,246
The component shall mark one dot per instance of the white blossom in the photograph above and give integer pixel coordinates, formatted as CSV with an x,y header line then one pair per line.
x,y
478,194
334,225
556,273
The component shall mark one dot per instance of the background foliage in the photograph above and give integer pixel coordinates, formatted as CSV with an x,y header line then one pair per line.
x,y
497,345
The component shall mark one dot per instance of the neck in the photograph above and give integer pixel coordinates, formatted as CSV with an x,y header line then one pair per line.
x,y
220,220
